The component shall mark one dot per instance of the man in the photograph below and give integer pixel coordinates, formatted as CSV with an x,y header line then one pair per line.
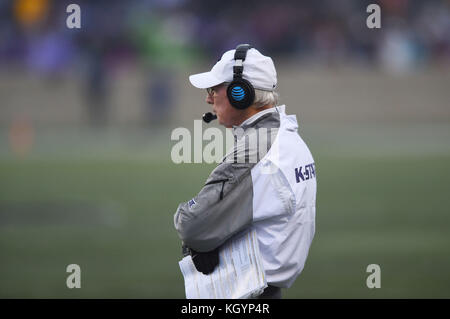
x,y
268,185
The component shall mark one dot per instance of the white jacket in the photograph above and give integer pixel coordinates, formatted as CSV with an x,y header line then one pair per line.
x,y
276,195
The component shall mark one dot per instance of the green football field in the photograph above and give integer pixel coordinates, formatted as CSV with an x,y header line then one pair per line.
x,y
106,202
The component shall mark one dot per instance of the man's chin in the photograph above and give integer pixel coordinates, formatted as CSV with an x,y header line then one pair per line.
x,y
219,120
223,124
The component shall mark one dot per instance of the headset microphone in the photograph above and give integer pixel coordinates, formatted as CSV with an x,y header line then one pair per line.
x,y
208,117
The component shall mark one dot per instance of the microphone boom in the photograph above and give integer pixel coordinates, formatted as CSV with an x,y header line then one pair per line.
x,y
208,117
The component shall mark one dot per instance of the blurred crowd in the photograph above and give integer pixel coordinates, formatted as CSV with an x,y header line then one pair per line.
x,y
164,34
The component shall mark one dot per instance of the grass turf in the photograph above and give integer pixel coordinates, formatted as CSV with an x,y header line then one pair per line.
x,y
114,217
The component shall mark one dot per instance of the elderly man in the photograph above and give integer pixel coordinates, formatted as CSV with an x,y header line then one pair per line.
x,y
268,185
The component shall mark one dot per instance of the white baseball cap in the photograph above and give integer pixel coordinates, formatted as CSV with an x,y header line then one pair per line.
x,y
259,70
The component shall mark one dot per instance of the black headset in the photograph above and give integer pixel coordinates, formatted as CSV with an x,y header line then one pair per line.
x,y
240,92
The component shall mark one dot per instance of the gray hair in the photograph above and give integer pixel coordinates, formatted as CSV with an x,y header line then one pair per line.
x,y
265,98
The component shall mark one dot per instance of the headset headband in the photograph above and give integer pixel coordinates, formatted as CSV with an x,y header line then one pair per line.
x,y
240,92
239,57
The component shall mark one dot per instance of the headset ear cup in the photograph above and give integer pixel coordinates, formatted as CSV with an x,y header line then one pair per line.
x,y
241,94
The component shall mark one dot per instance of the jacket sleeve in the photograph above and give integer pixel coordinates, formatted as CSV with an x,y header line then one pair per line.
x,y
221,209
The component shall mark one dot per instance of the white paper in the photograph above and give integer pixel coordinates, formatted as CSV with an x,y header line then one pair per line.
x,y
239,273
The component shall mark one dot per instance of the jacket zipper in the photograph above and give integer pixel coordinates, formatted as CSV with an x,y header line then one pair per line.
x,y
219,181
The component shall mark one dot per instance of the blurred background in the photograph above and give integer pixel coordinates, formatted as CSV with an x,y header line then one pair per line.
x,y
86,117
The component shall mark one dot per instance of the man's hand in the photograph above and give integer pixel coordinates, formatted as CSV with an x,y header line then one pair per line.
x,y
205,262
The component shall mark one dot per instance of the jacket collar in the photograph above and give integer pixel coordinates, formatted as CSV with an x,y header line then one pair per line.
x,y
256,116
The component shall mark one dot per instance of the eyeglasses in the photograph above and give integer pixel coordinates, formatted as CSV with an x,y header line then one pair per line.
x,y
211,90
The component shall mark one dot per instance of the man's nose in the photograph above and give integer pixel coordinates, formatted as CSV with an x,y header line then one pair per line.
x,y
209,99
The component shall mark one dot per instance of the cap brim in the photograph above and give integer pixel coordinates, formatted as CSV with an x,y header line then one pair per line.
x,y
204,80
